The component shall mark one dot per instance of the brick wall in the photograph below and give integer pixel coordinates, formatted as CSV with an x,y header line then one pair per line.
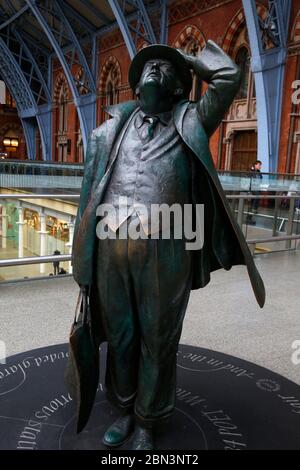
x,y
208,19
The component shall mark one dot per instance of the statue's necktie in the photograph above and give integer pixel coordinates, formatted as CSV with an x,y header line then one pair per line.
x,y
153,123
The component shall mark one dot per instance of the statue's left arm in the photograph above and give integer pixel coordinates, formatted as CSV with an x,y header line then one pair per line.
x,y
223,76
89,169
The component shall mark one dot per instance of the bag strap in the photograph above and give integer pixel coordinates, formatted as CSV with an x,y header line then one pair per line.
x,y
78,306
83,304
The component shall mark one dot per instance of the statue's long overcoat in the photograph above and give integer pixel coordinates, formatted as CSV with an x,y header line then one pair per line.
x,y
224,242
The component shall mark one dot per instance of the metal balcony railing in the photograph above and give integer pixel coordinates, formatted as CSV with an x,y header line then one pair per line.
x,y
271,224
33,174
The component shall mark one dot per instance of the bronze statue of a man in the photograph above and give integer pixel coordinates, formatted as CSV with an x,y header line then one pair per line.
x,y
154,151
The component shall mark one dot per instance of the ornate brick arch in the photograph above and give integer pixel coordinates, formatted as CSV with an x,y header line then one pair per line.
x,y
11,126
141,45
82,87
236,25
187,33
110,63
60,82
295,34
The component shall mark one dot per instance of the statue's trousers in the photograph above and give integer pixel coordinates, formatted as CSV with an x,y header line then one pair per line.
x,y
143,287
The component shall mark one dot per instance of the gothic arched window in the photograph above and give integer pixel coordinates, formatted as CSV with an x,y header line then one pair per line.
x,y
110,95
111,91
61,98
109,86
63,111
79,154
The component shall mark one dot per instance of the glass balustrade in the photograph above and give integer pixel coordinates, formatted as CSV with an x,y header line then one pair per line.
x,y
33,227
32,175
56,175
38,205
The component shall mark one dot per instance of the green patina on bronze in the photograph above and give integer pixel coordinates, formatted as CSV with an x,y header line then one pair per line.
x,y
224,243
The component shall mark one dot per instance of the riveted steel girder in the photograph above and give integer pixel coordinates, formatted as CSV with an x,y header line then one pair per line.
x,y
268,41
59,32
27,62
29,111
15,80
13,18
72,13
143,27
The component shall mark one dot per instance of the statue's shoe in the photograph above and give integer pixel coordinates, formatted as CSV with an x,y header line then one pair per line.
x,y
119,431
142,439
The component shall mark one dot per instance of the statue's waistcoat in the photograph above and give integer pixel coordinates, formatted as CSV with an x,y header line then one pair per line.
x,y
150,171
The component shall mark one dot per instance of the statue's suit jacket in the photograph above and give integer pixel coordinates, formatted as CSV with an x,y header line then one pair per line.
x,y
224,242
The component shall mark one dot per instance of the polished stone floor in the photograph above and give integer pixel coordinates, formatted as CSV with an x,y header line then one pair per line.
x,y
9,273
223,316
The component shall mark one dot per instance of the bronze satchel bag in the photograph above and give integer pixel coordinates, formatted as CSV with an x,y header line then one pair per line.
x,y
82,373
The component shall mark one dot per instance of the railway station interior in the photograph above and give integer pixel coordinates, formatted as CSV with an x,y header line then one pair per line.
x,y
62,63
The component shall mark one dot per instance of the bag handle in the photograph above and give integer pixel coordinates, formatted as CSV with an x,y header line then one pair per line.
x,y
78,306
82,304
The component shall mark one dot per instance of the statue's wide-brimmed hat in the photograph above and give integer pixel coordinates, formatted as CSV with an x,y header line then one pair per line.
x,y
159,51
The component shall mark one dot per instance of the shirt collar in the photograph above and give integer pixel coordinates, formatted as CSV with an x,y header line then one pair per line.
x,y
164,118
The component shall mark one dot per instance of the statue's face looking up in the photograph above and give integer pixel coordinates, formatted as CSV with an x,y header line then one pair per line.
x,y
160,74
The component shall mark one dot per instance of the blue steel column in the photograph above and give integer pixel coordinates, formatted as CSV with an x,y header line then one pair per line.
x,y
29,127
44,112
142,28
114,5
44,117
146,21
85,104
268,66
164,22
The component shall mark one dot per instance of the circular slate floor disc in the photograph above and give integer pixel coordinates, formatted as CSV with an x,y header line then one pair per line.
x,y
222,403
